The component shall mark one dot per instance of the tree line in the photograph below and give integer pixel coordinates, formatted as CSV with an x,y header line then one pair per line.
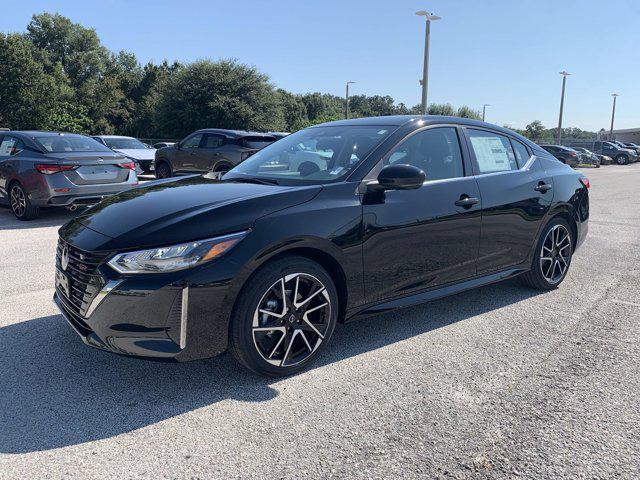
x,y
58,76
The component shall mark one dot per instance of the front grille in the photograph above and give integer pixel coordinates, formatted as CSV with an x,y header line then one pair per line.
x,y
84,279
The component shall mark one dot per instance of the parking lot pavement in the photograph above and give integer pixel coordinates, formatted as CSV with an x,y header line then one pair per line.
x,y
497,382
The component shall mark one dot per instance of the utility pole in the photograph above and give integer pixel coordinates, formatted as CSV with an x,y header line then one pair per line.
x,y
346,101
613,114
564,82
425,66
484,110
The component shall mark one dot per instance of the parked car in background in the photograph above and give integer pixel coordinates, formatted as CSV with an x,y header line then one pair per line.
x,y
621,155
51,169
587,157
209,150
633,146
564,154
163,144
130,147
265,262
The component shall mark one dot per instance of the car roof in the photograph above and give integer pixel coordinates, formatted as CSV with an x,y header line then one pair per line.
x,y
233,133
400,120
42,133
112,136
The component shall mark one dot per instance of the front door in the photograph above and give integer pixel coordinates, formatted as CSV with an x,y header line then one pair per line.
x,y
186,157
516,195
417,239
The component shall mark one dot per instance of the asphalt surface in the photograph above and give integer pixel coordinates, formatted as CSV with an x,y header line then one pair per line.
x,y
494,383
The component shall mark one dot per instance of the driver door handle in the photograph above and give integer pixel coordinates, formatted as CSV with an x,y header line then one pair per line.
x,y
543,187
466,201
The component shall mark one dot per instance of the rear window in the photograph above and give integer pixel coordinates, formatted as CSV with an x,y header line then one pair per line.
x,y
257,142
124,143
70,143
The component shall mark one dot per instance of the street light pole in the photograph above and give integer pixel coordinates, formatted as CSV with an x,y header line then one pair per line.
x,y
613,114
425,66
564,82
484,110
346,100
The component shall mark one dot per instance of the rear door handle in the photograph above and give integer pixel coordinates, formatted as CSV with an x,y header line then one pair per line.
x,y
543,187
466,201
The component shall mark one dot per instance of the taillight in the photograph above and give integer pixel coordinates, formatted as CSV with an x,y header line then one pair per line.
x,y
49,169
573,154
129,165
585,181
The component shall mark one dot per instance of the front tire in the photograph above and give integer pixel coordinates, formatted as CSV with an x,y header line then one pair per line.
x,y
622,159
284,317
21,206
163,170
552,257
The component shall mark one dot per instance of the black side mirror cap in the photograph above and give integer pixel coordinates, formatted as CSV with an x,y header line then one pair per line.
x,y
399,177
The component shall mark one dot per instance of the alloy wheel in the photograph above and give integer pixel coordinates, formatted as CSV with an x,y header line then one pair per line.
x,y
291,320
555,254
18,201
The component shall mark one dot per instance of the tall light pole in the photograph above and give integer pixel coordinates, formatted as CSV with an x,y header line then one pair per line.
x,y
613,114
346,100
564,82
484,110
425,67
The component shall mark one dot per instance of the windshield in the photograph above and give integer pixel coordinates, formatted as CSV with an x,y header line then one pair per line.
x,y
124,143
313,155
70,143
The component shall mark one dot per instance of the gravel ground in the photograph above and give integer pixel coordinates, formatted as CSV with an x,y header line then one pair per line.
x,y
494,383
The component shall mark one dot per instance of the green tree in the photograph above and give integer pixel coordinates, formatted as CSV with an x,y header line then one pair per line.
x,y
467,112
28,94
294,111
224,94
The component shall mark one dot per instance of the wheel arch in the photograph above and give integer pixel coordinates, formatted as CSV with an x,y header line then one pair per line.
x,y
568,213
313,249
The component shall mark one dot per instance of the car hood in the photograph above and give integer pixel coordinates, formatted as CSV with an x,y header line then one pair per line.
x,y
137,153
173,211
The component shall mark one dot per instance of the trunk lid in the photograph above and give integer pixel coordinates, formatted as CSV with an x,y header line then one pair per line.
x,y
93,168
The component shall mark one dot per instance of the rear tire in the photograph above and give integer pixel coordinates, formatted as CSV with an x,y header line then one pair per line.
x,y
552,257
277,337
21,206
622,159
163,170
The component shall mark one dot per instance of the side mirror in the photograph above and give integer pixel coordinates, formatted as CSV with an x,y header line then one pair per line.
x,y
400,177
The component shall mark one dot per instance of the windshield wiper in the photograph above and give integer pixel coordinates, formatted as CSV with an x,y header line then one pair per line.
x,y
259,181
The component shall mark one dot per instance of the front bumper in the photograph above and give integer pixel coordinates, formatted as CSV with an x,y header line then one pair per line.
x,y
173,316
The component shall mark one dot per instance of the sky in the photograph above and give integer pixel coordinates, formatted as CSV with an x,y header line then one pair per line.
x,y
504,53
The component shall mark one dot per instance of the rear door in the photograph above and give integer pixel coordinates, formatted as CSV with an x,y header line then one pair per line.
x,y
516,195
210,152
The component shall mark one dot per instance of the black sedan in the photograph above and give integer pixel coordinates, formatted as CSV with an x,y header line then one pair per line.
x,y
332,223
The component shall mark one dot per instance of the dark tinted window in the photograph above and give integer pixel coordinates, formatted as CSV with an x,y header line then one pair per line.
x,y
522,154
213,141
436,151
193,141
257,142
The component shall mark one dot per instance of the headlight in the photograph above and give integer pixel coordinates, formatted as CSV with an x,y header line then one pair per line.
x,y
174,257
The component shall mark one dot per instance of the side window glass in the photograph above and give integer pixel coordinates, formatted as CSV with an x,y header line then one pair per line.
x,y
493,152
436,151
10,146
213,141
192,142
522,154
